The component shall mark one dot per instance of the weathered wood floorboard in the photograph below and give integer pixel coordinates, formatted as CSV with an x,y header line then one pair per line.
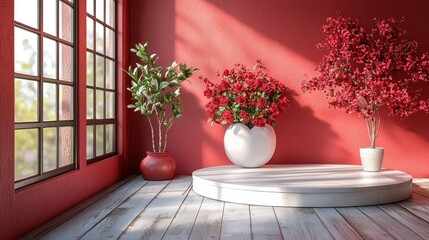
x,y
139,209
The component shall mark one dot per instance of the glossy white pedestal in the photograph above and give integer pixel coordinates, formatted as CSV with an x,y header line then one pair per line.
x,y
302,185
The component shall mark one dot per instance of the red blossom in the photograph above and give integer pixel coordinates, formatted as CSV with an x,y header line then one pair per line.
x,y
259,121
228,116
223,86
262,102
216,100
241,100
239,87
244,115
208,93
274,109
253,83
224,101
251,97
363,71
268,88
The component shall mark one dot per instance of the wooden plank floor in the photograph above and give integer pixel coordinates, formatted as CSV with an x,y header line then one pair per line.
x,y
139,209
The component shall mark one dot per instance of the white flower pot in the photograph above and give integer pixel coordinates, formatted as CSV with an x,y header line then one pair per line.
x,y
372,159
249,147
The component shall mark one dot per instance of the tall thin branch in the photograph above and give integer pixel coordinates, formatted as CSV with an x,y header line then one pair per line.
x,y
151,130
159,133
166,134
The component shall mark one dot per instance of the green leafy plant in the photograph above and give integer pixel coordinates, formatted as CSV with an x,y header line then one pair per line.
x,y
155,91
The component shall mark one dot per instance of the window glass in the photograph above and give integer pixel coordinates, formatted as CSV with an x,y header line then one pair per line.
x,y
29,14
101,79
65,146
26,153
50,17
99,140
89,103
49,101
26,52
49,58
90,7
89,141
26,100
49,149
44,102
66,22
66,102
66,63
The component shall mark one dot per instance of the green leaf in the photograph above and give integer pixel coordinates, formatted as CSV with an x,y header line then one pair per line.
x,y
163,85
167,122
154,84
176,92
174,83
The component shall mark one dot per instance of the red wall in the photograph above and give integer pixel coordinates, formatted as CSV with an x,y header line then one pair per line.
x,y
215,34
25,209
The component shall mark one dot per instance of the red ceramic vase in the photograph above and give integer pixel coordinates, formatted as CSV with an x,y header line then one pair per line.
x,y
158,166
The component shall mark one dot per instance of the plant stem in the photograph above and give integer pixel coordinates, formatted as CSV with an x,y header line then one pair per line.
x,y
160,133
166,134
373,126
373,135
153,135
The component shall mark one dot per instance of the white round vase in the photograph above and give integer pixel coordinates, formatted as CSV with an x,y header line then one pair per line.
x,y
372,159
249,148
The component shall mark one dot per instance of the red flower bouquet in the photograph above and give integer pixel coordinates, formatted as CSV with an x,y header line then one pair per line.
x,y
363,71
251,97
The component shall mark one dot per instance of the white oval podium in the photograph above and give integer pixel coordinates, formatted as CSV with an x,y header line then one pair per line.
x,y
302,185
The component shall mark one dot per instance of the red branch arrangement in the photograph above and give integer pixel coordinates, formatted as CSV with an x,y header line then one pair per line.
x,y
251,97
363,71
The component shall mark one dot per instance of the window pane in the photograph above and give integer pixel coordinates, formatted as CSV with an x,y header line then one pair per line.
x,y
26,52
99,71
26,100
99,104
49,58
110,12
110,138
99,9
110,74
89,103
89,33
66,146
66,102
110,104
89,142
50,17
99,140
66,22
49,101
66,63
110,43
99,37
89,69
49,149
90,6
26,153
28,14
